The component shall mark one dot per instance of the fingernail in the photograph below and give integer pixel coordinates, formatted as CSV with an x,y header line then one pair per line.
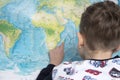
x,y
59,44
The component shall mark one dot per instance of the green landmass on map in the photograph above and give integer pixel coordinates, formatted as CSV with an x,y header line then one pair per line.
x,y
51,27
9,33
54,23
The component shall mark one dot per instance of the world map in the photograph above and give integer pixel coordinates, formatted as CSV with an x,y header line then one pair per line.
x,y
30,28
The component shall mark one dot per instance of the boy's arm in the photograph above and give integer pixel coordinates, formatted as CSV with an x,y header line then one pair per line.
x,y
46,73
56,57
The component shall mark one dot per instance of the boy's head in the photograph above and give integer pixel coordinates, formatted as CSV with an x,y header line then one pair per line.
x,y
100,26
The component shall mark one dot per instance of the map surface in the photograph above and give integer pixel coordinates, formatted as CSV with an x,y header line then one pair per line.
x,y
30,28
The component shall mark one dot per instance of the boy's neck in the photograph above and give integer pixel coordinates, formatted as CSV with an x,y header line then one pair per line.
x,y
99,55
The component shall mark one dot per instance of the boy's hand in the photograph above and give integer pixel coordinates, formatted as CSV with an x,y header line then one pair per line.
x,y
56,55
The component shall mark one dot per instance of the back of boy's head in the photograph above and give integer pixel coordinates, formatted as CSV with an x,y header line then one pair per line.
x,y
100,25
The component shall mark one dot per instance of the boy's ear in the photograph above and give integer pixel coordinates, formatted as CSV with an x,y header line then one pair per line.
x,y
117,49
80,39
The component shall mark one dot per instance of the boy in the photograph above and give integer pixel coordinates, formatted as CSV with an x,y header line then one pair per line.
x,y
99,38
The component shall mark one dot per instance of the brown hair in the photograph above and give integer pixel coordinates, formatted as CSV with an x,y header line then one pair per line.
x,y
100,25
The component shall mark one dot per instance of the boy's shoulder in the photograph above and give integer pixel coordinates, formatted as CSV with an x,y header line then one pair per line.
x,y
92,63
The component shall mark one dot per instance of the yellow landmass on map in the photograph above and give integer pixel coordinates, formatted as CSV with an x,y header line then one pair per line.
x,y
70,9
3,2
